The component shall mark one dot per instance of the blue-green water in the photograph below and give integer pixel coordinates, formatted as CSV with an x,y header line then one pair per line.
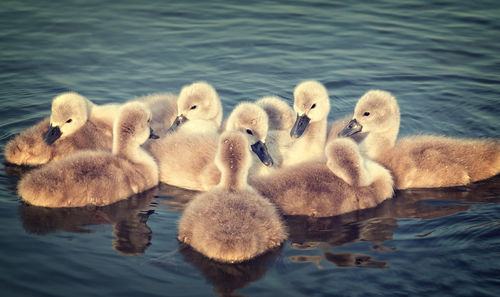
x,y
441,59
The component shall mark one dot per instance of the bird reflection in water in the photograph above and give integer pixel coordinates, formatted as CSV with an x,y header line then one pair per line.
x,y
17,171
228,278
128,217
172,198
375,225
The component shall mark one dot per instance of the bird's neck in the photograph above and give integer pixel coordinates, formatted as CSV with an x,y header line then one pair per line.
x,y
133,152
312,141
375,143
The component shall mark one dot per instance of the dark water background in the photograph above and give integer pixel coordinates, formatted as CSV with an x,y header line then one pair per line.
x,y
441,59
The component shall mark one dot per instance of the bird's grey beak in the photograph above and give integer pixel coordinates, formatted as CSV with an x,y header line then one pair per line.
x,y
300,126
179,120
152,135
352,128
260,149
52,134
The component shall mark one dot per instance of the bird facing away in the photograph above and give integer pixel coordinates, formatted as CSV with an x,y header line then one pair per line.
x,y
231,223
423,161
98,177
281,115
347,182
163,107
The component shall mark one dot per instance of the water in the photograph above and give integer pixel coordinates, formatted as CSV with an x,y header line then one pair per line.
x,y
440,59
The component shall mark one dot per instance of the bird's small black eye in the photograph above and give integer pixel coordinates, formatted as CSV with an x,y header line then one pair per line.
x,y
366,113
313,106
193,107
69,121
249,132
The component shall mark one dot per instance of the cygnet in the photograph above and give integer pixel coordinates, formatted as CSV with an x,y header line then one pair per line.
x,y
231,223
98,177
423,161
347,182
199,109
75,124
312,105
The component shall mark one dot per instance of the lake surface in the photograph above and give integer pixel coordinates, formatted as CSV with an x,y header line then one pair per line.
x,y
440,59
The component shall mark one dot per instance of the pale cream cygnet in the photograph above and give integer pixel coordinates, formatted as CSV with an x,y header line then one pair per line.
x,y
199,109
231,223
252,120
98,177
422,161
347,182
75,124
312,105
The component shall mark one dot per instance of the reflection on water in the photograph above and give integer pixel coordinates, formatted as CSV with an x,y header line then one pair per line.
x,y
173,198
307,235
375,225
128,218
227,278
17,171
356,260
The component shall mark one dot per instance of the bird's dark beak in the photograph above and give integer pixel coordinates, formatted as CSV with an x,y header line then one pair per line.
x,y
52,134
300,126
177,122
260,149
352,128
152,135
